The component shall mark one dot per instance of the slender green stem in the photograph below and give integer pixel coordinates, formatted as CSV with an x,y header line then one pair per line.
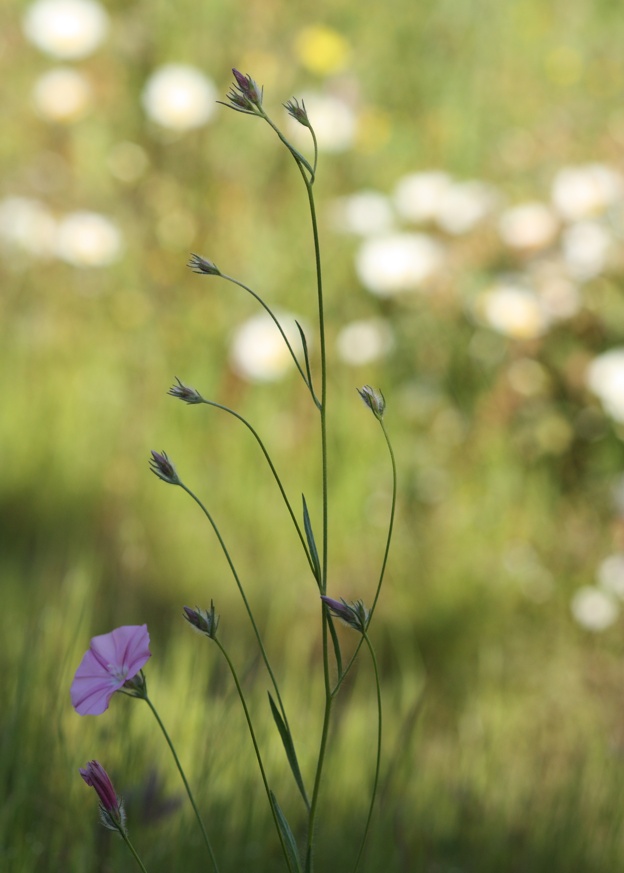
x,y
273,470
126,840
384,563
378,758
265,657
270,312
322,750
294,152
184,779
255,743
302,164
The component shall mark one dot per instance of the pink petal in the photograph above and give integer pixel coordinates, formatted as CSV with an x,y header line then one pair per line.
x,y
112,658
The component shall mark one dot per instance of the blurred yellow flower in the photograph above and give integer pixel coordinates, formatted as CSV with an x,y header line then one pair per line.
x,y
322,50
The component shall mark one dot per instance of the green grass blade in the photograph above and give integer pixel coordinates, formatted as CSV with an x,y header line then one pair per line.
x,y
289,748
294,863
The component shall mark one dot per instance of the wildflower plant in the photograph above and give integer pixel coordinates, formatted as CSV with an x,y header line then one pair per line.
x,y
114,661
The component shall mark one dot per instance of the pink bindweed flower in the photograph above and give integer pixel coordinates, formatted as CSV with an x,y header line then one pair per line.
x,y
111,808
112,660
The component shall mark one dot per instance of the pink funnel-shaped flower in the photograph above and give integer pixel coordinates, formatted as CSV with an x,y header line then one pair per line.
x,y
112,659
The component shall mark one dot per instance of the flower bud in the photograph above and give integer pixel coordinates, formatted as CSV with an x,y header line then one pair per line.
x,y
202,265
162,467
205,621
354,614
111,808
298,112
374,399
186,393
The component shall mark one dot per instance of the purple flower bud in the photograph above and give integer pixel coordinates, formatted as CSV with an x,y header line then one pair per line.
x,y
186,393
354,614
202,265
248,88
205,621
298,112
111,808
245,95
374,399
162,467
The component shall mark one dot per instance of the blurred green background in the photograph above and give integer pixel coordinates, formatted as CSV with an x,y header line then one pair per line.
x,y
499,631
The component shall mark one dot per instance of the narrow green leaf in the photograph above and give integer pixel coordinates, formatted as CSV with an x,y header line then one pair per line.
x,y
336,644
311,543
289,748
304,343
290,843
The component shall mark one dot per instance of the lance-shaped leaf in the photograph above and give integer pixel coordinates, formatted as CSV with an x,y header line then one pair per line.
x,y
311,543
336,644
290,843
289,748
304,343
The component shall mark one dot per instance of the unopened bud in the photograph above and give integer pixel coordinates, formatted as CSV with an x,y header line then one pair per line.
x,y
374,399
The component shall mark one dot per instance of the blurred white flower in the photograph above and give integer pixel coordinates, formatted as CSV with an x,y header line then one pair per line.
x,y
87,239
605,377
587,190
62,94
528,226
179,97
258,352
418,196
390,264
559,295
593,609
27,225
586,248
464,205
362,342
513,309
66,29
334,121
365,213
610,575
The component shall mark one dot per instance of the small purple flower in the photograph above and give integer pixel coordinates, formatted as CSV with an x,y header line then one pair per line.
x,y
374,399
112,660
297,111
202,265
111,807
186,393
354,614
162,467
203,620
245,95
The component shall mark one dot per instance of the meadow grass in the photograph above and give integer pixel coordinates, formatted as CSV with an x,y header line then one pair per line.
x,y
503,746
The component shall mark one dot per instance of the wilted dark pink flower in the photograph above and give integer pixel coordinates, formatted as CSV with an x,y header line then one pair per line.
x,y
111,807
112,659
